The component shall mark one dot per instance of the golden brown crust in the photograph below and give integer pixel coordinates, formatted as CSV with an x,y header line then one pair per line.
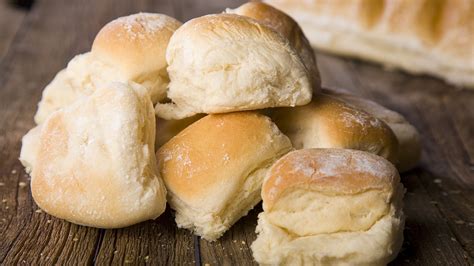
x,y
328,122
208,161
330,171
409,145
135,42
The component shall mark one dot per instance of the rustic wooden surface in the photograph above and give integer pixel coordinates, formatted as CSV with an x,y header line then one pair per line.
x,y
35,43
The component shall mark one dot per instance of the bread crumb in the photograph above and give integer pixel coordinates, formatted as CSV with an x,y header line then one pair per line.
x,y
437,181
207,264
460,222
48,221
4,200
13,171
243,243
75,239
147,258
22,184
115,251
2,184
38,211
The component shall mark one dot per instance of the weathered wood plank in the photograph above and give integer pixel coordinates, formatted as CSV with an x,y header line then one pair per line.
x,y
11,18
147,243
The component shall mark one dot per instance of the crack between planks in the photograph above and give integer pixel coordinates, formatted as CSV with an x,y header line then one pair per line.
x,y
197,250
98,244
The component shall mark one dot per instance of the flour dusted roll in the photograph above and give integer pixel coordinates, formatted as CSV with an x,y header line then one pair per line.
x,y
419,36
130,48
287,27
225,62
409,145
94,163
330,207
136,46
328,122
214,169
29,148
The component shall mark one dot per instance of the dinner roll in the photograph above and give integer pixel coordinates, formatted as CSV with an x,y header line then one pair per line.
x,y
214,169
130,48
330,207
409,146
330,123
223,63
136,46
287,27
95,164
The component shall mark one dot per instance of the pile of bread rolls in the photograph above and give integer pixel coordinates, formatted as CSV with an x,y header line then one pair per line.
x,y
241,118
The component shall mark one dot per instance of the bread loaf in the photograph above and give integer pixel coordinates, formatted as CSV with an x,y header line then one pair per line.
x,y
420,36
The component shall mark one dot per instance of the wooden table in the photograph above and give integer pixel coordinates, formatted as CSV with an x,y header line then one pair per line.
x,y
35,43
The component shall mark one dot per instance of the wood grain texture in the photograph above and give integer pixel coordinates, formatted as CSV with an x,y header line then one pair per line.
x,y
439,202
11,18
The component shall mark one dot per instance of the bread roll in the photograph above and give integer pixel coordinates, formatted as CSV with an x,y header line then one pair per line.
x,y
224,63
29,148
409,146
419,36
214,169
130,48
328,122
95,163
330,207
287,27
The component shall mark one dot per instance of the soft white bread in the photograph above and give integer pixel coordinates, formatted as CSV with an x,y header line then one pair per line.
x,y
328,122
29,148
167,129
214,169
419,36
330,207
130,48
287,27
409,146
95,164
224,63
